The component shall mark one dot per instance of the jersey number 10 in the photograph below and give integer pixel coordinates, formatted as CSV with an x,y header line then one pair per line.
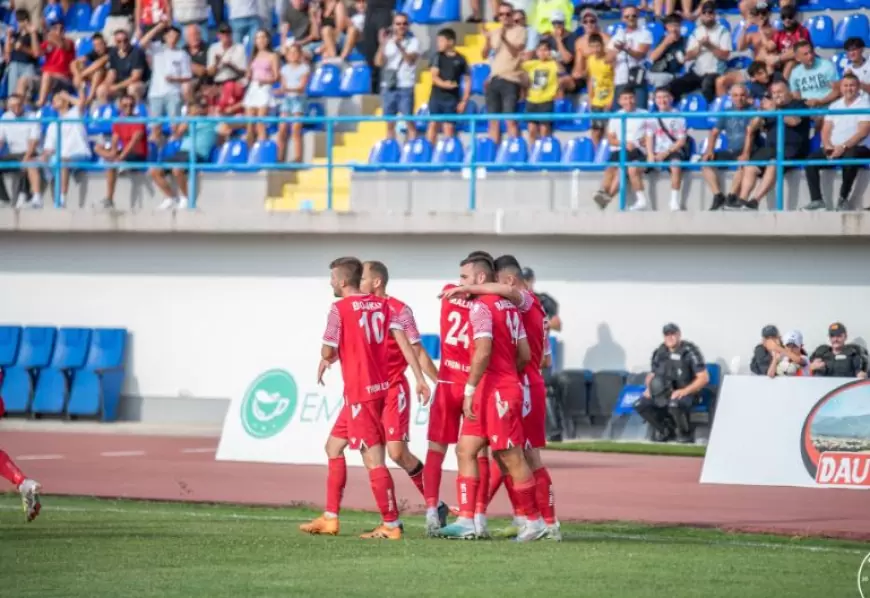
x,y
373,326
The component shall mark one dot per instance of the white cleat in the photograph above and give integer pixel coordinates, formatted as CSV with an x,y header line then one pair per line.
x,y
481,532
554,532
433,525
29,490
532,530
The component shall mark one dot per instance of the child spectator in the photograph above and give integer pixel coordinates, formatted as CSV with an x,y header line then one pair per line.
x,y
90,69
599,78
294,80
59,53
759,80
669,56
543,82
262,74
448,70
666,141
129,144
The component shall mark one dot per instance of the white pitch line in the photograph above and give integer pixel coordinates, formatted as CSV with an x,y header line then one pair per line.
x,y
38,457
199,450
122,454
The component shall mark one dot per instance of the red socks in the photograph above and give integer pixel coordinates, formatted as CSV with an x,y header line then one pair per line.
x,y
432,477
544,497
495,479
483,486
512,495
9,471
336,479
466,492
416,476
525,493
384,493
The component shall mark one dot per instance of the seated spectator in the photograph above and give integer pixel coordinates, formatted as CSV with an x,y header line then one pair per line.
x,y
631,46
332,17
561,43
758,34
781,54
669,7
796,142
263,73
740,143
669,56
709,46
171,76
128,68
21,53
793,360
636,131
858,64
666,142
74,136
296,25
129,143
765,352
19,142
844,136
759,80
199,52
397,57
813,79
599,79
59,52
582,47
545,12
89,70
839,359
449,70
773,354
543,85
244,17
677,375
354,30
228,103
294,80
197,141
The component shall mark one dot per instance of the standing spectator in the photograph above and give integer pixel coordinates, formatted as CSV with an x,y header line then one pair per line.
x,y
839,359
781,56
227,60
543,74
813,79
635,136
294,80
503,88
397,57
59,53
449,71
583,49
709,46
170,78
128,68
244,19
198,52
765,352
666,141
739,145
263,73
89,70
561,43
599,78
796,144
845,136
191,12
669,56
858,64
74,137
631,44
146,15
129,144
121,16
21,52
378,16
19,142
532,36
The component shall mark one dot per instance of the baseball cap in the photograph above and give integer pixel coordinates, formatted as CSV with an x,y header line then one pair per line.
x,y
527,273
788,12
557,16
670,328
836,329
770,331
794,337
588,13
225,28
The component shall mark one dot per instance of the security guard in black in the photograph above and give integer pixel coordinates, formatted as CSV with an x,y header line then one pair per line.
x,y
839,359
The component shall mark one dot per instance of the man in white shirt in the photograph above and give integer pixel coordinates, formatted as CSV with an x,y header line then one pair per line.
x,y
74,137
666,141
397,58
858,64
21,140
844,136
630,47
227,60
709,47
170,78
635,136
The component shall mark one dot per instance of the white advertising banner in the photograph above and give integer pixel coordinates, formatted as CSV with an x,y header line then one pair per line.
x,y
286,418
790,431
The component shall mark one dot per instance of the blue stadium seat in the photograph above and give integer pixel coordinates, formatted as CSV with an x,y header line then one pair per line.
x,y
841,61
484,148
53,13
84,46
721,143
739,29
356,80
657,30
432,344
513,151
693,103
10,341
579,150
855,25
264,152
725,23
546,150
555,352
606,388
79,17
739,63
169,149
4,87
52,385
314,109
479,75
422,124
602,155
326,81
416,151
614,27
580,123
714,371
465,125
449,150
418,11
37,345
821,29
386,151
444,11
563,106
720,104
233,152
100,119
687,28
96,388
625,404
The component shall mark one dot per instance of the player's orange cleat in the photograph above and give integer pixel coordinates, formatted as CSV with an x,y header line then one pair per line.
x,y
384,532
321,526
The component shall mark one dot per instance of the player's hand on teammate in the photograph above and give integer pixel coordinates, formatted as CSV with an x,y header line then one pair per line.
x,y
447,294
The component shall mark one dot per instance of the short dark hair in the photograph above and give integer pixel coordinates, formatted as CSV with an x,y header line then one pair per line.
x,y
854,43
673,18
628,90
507,263
480,259
22,15
448,34
664,89
97,36
351,270
803,44
756,67
853,76
380,270
543,42
595,38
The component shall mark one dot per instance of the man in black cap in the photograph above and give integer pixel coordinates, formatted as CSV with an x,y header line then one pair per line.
x,y
770,349
550,305
839,359
677,374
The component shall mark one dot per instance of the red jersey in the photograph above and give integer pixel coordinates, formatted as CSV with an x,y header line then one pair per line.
x,y
785,40
396,362
59,59
535,323
359,326
455,340
499,319
125,133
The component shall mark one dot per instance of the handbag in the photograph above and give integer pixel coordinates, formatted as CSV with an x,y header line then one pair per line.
x,y
684,154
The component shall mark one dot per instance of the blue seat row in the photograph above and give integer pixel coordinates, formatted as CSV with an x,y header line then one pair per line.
x,y
68,371
432,344
825,34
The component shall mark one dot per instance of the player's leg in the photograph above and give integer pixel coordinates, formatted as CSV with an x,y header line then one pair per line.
x,y
535,431
445,415
368,435
29,489
397,425
482,501
336,479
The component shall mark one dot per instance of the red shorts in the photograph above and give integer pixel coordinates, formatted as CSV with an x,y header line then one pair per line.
x,y
397,412
535,415
445,412
476,426
504,417
361,424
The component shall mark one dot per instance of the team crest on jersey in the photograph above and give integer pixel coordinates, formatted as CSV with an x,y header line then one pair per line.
x,y
510,444
528,444
403,400
391,430
495,439
354,410
501,406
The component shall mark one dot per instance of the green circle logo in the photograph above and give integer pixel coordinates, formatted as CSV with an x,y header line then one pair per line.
x,y
269,404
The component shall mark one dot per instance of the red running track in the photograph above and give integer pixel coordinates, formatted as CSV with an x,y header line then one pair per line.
x,y
589,486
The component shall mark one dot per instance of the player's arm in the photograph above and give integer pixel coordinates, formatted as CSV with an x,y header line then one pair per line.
x,y
524,352
426,363
409,325
329,348
547,357
481,326
410,356
488,288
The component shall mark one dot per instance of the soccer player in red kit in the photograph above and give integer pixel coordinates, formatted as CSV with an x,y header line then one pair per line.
x,y
493,404
27,488
356,334
511,286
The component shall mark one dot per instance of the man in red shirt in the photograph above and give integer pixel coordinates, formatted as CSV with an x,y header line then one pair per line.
x,y
782,59
59,53
129,144
493,405
356,334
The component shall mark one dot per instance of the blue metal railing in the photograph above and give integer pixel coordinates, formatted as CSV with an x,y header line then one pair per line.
x,y
192,166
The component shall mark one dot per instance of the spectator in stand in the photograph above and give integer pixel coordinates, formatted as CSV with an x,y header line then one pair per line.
x,y
397,57
354,30
532,36
191,12
796,142
669,7
759,80
631,45
561,43
747,7
198,142
503,88
599,75
294,80
228,103
839,359
582,47
170,78
378,16
297,26
32,10
146,15
332,16
75,146
669,56
760,40
451,84
858,64
636,131
739,143
263,73
813,79
775,356
198,52
543,13
59,53
21,53
709,46
226,59
129,144
89,70
128,68
244,16
19,142
122,16
543,85
666,142
781,54
845,136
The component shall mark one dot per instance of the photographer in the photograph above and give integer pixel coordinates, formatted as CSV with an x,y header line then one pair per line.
x,y
839,360
677,374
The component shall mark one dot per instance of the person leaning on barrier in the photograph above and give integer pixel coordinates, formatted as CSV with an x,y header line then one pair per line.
x,y
839,359
21,142
677,374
